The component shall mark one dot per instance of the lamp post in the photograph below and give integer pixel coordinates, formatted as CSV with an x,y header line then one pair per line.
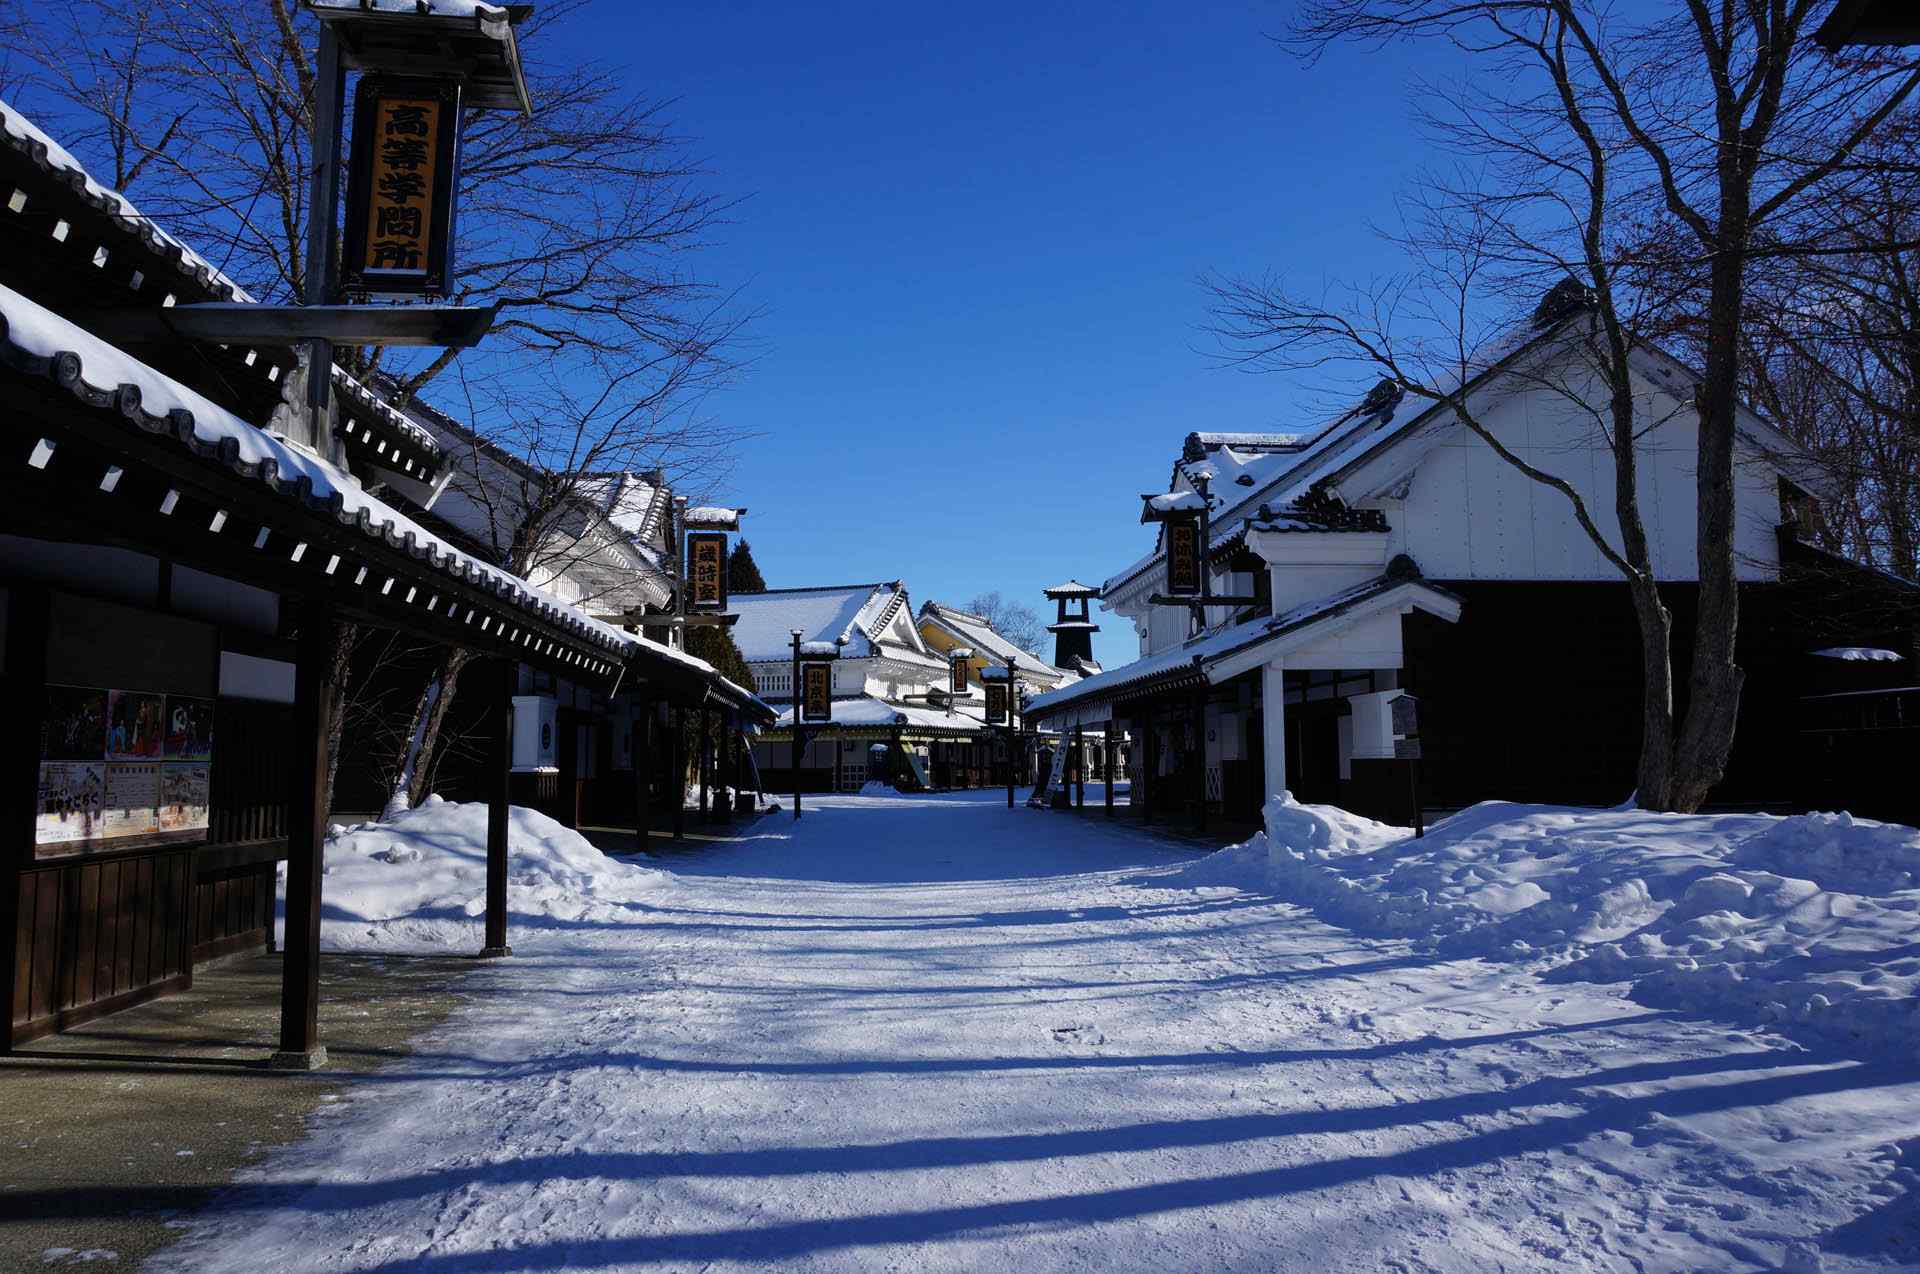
x,y
1012,730
796,634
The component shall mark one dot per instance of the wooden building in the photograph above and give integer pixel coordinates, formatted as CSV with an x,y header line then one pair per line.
x,y
171,574
1401,591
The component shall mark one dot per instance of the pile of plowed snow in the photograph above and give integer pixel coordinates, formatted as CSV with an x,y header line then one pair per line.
x,y
418,881
1812,920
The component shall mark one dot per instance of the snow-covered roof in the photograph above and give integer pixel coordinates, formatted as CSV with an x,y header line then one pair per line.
x,y
867,712
634,503
714,517
19,132
1072,588
986,641
767,620
1189,660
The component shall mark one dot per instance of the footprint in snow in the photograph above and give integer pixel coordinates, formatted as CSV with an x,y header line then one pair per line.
x,y
1078,1035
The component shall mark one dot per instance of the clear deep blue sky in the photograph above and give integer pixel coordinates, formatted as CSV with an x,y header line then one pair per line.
x,y
974,235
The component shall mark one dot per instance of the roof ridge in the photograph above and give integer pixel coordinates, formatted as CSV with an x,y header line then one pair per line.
x,y
818,588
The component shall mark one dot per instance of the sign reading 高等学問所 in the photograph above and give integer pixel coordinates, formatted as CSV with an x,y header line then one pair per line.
x,y
400,189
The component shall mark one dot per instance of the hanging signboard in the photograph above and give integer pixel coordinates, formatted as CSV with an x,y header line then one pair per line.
x,y
122,769
816,691
1183,557
958,684
996,703
401,183
706,571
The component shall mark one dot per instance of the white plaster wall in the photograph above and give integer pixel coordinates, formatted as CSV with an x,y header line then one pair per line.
x,y
1468,514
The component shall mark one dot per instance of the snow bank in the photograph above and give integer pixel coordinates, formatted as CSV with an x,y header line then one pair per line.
x,y
418,882
1812,920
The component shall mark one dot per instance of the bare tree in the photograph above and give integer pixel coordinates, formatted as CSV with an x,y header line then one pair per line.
x,y
530,493
1603,151
576,220
1013,620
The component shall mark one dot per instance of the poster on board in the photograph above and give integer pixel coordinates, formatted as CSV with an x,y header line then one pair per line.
x,y
184,803
189,729
76,724
132,800
71,805
136,726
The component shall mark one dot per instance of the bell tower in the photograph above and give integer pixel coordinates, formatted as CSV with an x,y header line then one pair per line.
x,y
1073,631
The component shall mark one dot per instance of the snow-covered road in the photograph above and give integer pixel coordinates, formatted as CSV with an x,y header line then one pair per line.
x,y
929,1034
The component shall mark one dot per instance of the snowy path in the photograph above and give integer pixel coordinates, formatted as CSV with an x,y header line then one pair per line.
x,y
935,1034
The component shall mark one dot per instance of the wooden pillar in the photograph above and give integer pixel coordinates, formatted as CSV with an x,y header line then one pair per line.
x,y
727,768
1200,759
1149,762
499,766
705,762
1109,751
643,767
839,752
1273,728
1079,767
26,689
300,1047
677,771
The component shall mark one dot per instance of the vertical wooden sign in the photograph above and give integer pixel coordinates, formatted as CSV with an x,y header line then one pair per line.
x,y
706,571
400,189
816,691
996,703
958,684
1183,557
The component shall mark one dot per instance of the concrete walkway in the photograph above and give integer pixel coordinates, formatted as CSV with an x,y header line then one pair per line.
x,y
117,1130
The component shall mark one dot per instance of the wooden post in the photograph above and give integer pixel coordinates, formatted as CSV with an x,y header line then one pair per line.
x,y
839,777
1149,762
300,1047
706,764
1200,757
727,768
498,815
1079,768
677,771
26,688
1109,753
643,768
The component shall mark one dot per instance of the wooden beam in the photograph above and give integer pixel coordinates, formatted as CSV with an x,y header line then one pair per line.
x,y
313,692
506,680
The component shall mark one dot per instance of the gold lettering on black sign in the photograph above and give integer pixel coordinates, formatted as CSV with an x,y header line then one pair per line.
x,y
400,203
707,571
816,695
1183,557
959,685
996,703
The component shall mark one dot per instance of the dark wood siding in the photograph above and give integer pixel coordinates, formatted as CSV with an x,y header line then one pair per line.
x,y
96,935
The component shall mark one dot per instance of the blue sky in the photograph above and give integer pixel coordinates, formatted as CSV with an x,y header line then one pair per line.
x,y
974,236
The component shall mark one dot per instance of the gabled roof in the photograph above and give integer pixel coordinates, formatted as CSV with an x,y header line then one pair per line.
x,y
858,612
1193,661
987,642
1072,588
635,503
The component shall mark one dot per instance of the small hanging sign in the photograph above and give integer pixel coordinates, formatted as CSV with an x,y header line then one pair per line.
x,y
996,703
958,682
1183,557
816,691
707,571
401,179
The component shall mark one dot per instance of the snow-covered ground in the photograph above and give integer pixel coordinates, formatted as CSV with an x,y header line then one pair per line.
x,y
929,1033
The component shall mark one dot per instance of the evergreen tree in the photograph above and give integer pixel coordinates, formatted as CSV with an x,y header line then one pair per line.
x,y
743,574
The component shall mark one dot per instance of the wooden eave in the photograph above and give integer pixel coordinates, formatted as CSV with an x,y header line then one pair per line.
x,y
105,264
